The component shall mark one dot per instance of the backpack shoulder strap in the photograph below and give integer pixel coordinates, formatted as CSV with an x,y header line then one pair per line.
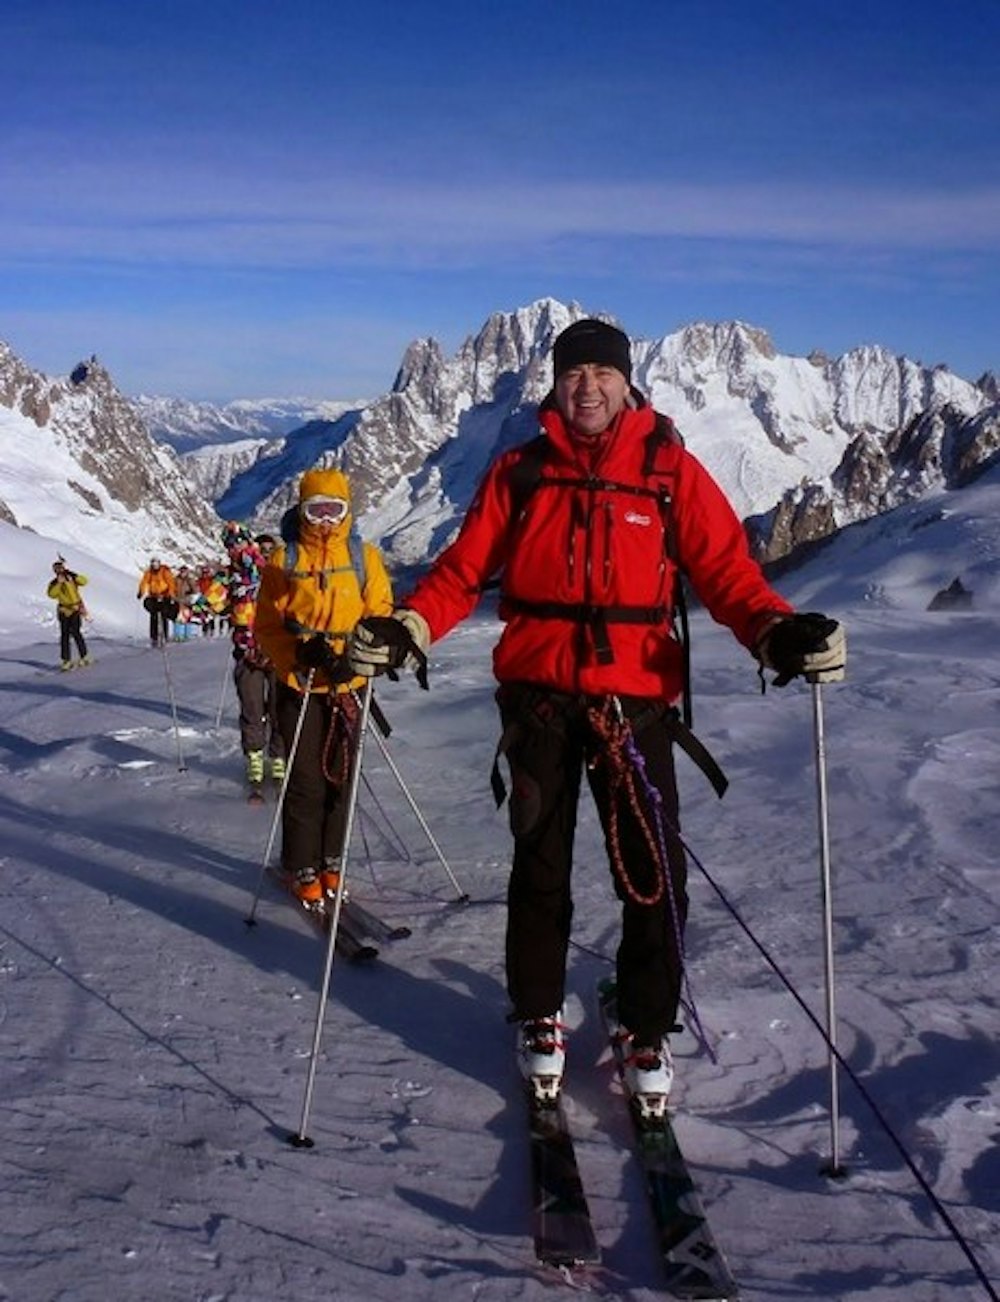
x,y
355,545
526,471
359,557
665,434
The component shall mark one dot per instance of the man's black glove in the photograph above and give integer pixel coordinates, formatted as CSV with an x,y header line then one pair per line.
x,y
809,644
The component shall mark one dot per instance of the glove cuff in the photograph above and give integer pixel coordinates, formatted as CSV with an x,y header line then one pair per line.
x,y
415,625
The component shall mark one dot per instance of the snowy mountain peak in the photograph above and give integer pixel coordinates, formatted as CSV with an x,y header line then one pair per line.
x,y
761,421
80,467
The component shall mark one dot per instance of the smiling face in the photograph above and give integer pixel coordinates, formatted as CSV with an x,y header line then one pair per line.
x,y
590,396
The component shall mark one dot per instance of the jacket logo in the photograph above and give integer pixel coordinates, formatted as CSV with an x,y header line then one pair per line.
x,y
635,517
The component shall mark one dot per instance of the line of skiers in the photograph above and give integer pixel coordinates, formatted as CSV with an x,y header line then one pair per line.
x,y
179,603
589,526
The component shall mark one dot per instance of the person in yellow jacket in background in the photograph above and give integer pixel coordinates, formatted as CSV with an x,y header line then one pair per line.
x,y
158,593
315,589
65,591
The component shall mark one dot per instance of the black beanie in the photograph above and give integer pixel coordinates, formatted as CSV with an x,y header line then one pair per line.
x,y
591,341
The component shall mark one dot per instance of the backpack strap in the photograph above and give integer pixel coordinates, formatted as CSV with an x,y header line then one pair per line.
x,y
358,565
526,471
359,557
665,434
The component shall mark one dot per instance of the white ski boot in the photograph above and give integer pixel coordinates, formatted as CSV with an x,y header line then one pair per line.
x,y
541,1056
649,1076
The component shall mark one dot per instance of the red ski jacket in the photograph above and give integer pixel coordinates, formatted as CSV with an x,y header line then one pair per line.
x,y
589,559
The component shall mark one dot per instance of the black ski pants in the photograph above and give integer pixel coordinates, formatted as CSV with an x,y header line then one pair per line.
x,y
549,742
314,815
70,626
161,611
256,692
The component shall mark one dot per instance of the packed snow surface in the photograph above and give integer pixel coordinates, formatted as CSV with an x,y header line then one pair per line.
x,y
155,1047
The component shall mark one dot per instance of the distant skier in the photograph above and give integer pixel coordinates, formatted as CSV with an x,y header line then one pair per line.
x,y
64,589
315,589
212,602
158,594
187,592
253,672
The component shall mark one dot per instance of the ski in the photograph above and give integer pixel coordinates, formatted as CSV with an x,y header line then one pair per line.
x,y
563,1231
695,1267
372,925
356,949
255,796
353,943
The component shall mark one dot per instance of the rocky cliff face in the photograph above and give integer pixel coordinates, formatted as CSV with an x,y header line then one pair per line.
x,y
940,447
801,445
93,451
415,454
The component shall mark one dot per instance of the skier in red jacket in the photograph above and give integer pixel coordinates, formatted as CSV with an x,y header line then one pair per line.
x,y
590,672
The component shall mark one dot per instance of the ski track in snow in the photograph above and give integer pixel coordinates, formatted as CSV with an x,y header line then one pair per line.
x,y
155,1047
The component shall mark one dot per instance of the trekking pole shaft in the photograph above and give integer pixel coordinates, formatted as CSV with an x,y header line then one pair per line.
x,y
462,895
822,809
222,694
181,766
280,803
300,1138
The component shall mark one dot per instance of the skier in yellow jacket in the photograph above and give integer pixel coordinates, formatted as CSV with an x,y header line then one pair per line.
x,y
65,591
314,591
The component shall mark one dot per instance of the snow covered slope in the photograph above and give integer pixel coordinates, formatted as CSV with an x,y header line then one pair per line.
x,y
155,1048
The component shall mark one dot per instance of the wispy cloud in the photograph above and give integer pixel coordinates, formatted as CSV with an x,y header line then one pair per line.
x,y
214,216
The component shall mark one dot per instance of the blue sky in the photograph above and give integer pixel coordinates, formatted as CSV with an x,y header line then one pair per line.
x,y
239,198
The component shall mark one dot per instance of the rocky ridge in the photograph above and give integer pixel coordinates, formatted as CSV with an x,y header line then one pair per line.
x,y
106,481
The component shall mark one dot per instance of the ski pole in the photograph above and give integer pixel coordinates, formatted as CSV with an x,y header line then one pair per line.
x,y
251,918
462,897
833,1168
300,1139
222,693
181,766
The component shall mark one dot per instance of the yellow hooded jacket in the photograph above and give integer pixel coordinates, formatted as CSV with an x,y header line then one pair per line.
x,y
65,589
322,593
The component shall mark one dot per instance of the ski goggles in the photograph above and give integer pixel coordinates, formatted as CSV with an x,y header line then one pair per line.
x,y
324,510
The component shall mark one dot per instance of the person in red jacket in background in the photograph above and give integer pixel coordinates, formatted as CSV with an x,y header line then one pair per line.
x,y
590,672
